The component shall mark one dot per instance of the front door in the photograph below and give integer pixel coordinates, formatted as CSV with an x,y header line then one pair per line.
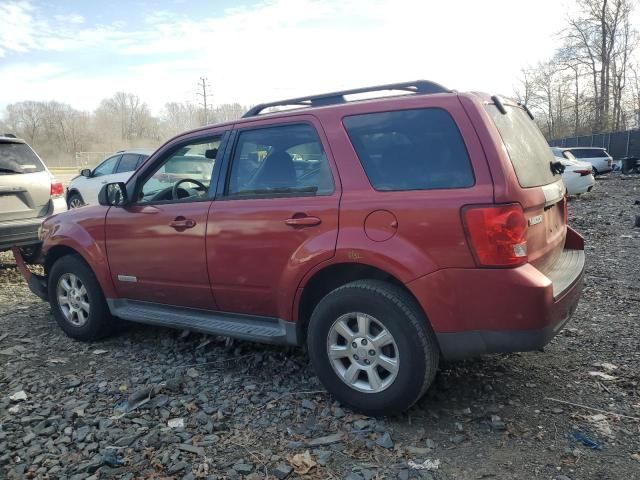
x,y
276,218
156,245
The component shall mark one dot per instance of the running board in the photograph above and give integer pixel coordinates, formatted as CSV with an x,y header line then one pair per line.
x,y
245,327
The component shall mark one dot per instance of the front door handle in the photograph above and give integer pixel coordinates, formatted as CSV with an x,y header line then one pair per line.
x,y
181,223
303,221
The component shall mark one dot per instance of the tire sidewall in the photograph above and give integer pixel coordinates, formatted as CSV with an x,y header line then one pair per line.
x,y
407,386
95,323
72,197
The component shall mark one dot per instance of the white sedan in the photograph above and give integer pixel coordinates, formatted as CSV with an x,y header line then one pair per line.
x,y
84,188
577,176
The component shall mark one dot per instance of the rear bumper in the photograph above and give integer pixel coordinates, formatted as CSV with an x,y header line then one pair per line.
x,y
19,233
479,311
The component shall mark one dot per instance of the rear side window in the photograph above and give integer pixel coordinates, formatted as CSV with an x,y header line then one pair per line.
x,y
128,163
528,150
410,149
589,153
18,158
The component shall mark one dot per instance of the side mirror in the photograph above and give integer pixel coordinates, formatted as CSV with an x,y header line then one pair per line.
x,y
113,195
85,172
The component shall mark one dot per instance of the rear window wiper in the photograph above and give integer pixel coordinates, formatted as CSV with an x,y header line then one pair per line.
x,y
8,170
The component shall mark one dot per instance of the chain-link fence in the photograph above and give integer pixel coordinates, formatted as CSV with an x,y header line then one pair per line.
x,y
75,162
618,144
90,159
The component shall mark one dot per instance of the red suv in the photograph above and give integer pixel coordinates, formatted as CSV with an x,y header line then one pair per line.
x,y
384,233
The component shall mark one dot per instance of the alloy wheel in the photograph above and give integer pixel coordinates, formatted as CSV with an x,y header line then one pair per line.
x,y
363,353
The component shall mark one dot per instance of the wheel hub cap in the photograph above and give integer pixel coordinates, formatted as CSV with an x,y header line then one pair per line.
x,y
363,353
73,299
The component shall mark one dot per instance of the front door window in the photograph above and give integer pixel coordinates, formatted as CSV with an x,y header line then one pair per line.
x,y
184,176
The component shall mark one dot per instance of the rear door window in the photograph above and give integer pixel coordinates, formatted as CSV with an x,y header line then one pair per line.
x,y
528,150
286,160
18,158
128,163
410,149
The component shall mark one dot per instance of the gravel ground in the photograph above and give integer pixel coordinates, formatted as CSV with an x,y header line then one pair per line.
x,y
161,404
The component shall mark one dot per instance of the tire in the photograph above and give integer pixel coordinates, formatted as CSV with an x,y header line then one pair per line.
x,y
75,201
415,347
91,325
595,171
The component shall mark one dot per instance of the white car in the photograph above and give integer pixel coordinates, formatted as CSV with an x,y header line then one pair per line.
x,y
577,176
599,158
84,189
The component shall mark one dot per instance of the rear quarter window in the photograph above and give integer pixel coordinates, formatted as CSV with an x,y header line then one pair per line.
x,y
418,149
18,158
527,148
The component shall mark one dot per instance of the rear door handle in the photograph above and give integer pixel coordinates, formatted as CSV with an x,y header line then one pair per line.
x,y
181,223
303,221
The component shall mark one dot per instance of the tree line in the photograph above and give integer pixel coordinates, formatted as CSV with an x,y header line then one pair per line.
x,y
592,82
57,130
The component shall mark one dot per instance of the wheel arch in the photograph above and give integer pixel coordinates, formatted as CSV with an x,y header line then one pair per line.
x,y
74,191
58,251
334,276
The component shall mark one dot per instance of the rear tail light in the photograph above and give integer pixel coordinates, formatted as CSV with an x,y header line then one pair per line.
x,y
57,189
497,234
582,173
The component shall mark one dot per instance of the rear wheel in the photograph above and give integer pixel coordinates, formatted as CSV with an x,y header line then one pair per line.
x,y
77,300
75,201
372,347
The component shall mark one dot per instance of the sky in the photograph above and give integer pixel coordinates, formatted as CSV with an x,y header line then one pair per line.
x,y
80,52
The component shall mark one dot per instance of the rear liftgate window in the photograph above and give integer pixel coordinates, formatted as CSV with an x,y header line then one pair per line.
x,y
18,158
528,150
411,149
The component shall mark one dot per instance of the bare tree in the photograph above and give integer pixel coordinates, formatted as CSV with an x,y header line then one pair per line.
x,y
26,117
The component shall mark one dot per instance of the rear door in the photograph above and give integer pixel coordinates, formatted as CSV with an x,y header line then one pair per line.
x,y
276,218
25,184
541,191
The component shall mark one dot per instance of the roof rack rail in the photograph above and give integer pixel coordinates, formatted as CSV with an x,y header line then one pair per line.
x,y
420,87
9,135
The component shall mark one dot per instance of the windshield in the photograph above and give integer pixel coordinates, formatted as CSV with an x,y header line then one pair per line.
x,y
18,158
528,150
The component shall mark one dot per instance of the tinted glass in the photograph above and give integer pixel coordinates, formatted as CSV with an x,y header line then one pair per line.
x,y
411,149
528,150
128,163
589,153
18,158
106,167
286,160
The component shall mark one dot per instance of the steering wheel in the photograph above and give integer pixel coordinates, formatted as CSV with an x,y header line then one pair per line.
x,y
174,190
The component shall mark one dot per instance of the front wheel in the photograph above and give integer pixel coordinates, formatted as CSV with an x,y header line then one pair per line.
x,y
372,347
77,301
75,201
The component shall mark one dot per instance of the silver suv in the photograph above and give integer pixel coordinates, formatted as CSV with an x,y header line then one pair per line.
x,y
28,193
